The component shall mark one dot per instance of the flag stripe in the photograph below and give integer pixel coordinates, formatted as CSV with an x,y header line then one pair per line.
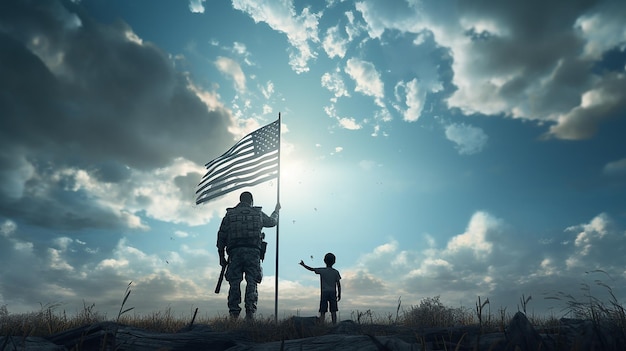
x,y
238,186
225,165
240,161
238,171
235,152
251,161
269,172
258,171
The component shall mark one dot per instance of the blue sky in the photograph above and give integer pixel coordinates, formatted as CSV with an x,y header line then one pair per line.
x,y
438,148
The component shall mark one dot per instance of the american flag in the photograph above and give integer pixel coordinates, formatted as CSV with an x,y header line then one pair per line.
x,y
253,160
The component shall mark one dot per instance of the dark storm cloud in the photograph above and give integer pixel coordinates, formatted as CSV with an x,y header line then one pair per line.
x,y
558,45
188,184
76,94
49,275
548,62
91,86
110,171
535,42
605,101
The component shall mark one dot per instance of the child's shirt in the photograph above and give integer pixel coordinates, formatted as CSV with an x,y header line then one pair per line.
x,y
328,278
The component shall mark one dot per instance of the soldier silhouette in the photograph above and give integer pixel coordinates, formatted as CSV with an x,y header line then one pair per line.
x,y
241,238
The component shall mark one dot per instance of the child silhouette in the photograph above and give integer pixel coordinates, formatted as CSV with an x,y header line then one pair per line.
x,y
330,287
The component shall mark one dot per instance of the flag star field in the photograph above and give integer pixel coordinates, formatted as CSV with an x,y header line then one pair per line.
x,y
437,148
253,160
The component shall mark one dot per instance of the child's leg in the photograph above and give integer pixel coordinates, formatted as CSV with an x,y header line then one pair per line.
x,y
323,308
332,304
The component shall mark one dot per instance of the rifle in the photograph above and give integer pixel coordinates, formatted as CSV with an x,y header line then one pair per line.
x,y
220,279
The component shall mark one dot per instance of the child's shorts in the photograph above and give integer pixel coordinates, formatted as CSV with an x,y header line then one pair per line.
x,y
329,298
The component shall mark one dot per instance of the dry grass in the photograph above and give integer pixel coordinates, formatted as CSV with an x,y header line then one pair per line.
x,y
428,313
607,313
47,321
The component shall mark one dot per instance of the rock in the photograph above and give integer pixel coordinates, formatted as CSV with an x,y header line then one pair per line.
x,y
332,342
200,328
572,334
346,327
109,336
93,337
520,333
491,341
29,343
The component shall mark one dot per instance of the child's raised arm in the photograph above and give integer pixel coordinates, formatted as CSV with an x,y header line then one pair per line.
x,y
305,266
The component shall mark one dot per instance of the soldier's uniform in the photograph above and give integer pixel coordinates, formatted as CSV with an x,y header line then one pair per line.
x,y
240,235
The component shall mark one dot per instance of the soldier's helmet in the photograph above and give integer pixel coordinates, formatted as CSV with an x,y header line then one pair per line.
x,y
246,197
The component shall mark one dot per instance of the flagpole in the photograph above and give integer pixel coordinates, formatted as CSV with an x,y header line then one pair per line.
x,y
277,227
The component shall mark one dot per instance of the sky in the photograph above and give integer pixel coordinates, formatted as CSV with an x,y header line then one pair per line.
x,y
438,148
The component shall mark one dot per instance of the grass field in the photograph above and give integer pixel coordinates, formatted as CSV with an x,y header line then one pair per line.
x,y
429,312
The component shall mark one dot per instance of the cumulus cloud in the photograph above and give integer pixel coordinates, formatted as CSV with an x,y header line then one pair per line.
x,y
177,278
475,237
601,29
335,84
488,258
593,243
468,139
491,259
413,96
268,89
363,284
505,61
334,44
367,78
604,101
300,29
196,6
349,123
379,17
87,110
231,68
353,28
498,66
